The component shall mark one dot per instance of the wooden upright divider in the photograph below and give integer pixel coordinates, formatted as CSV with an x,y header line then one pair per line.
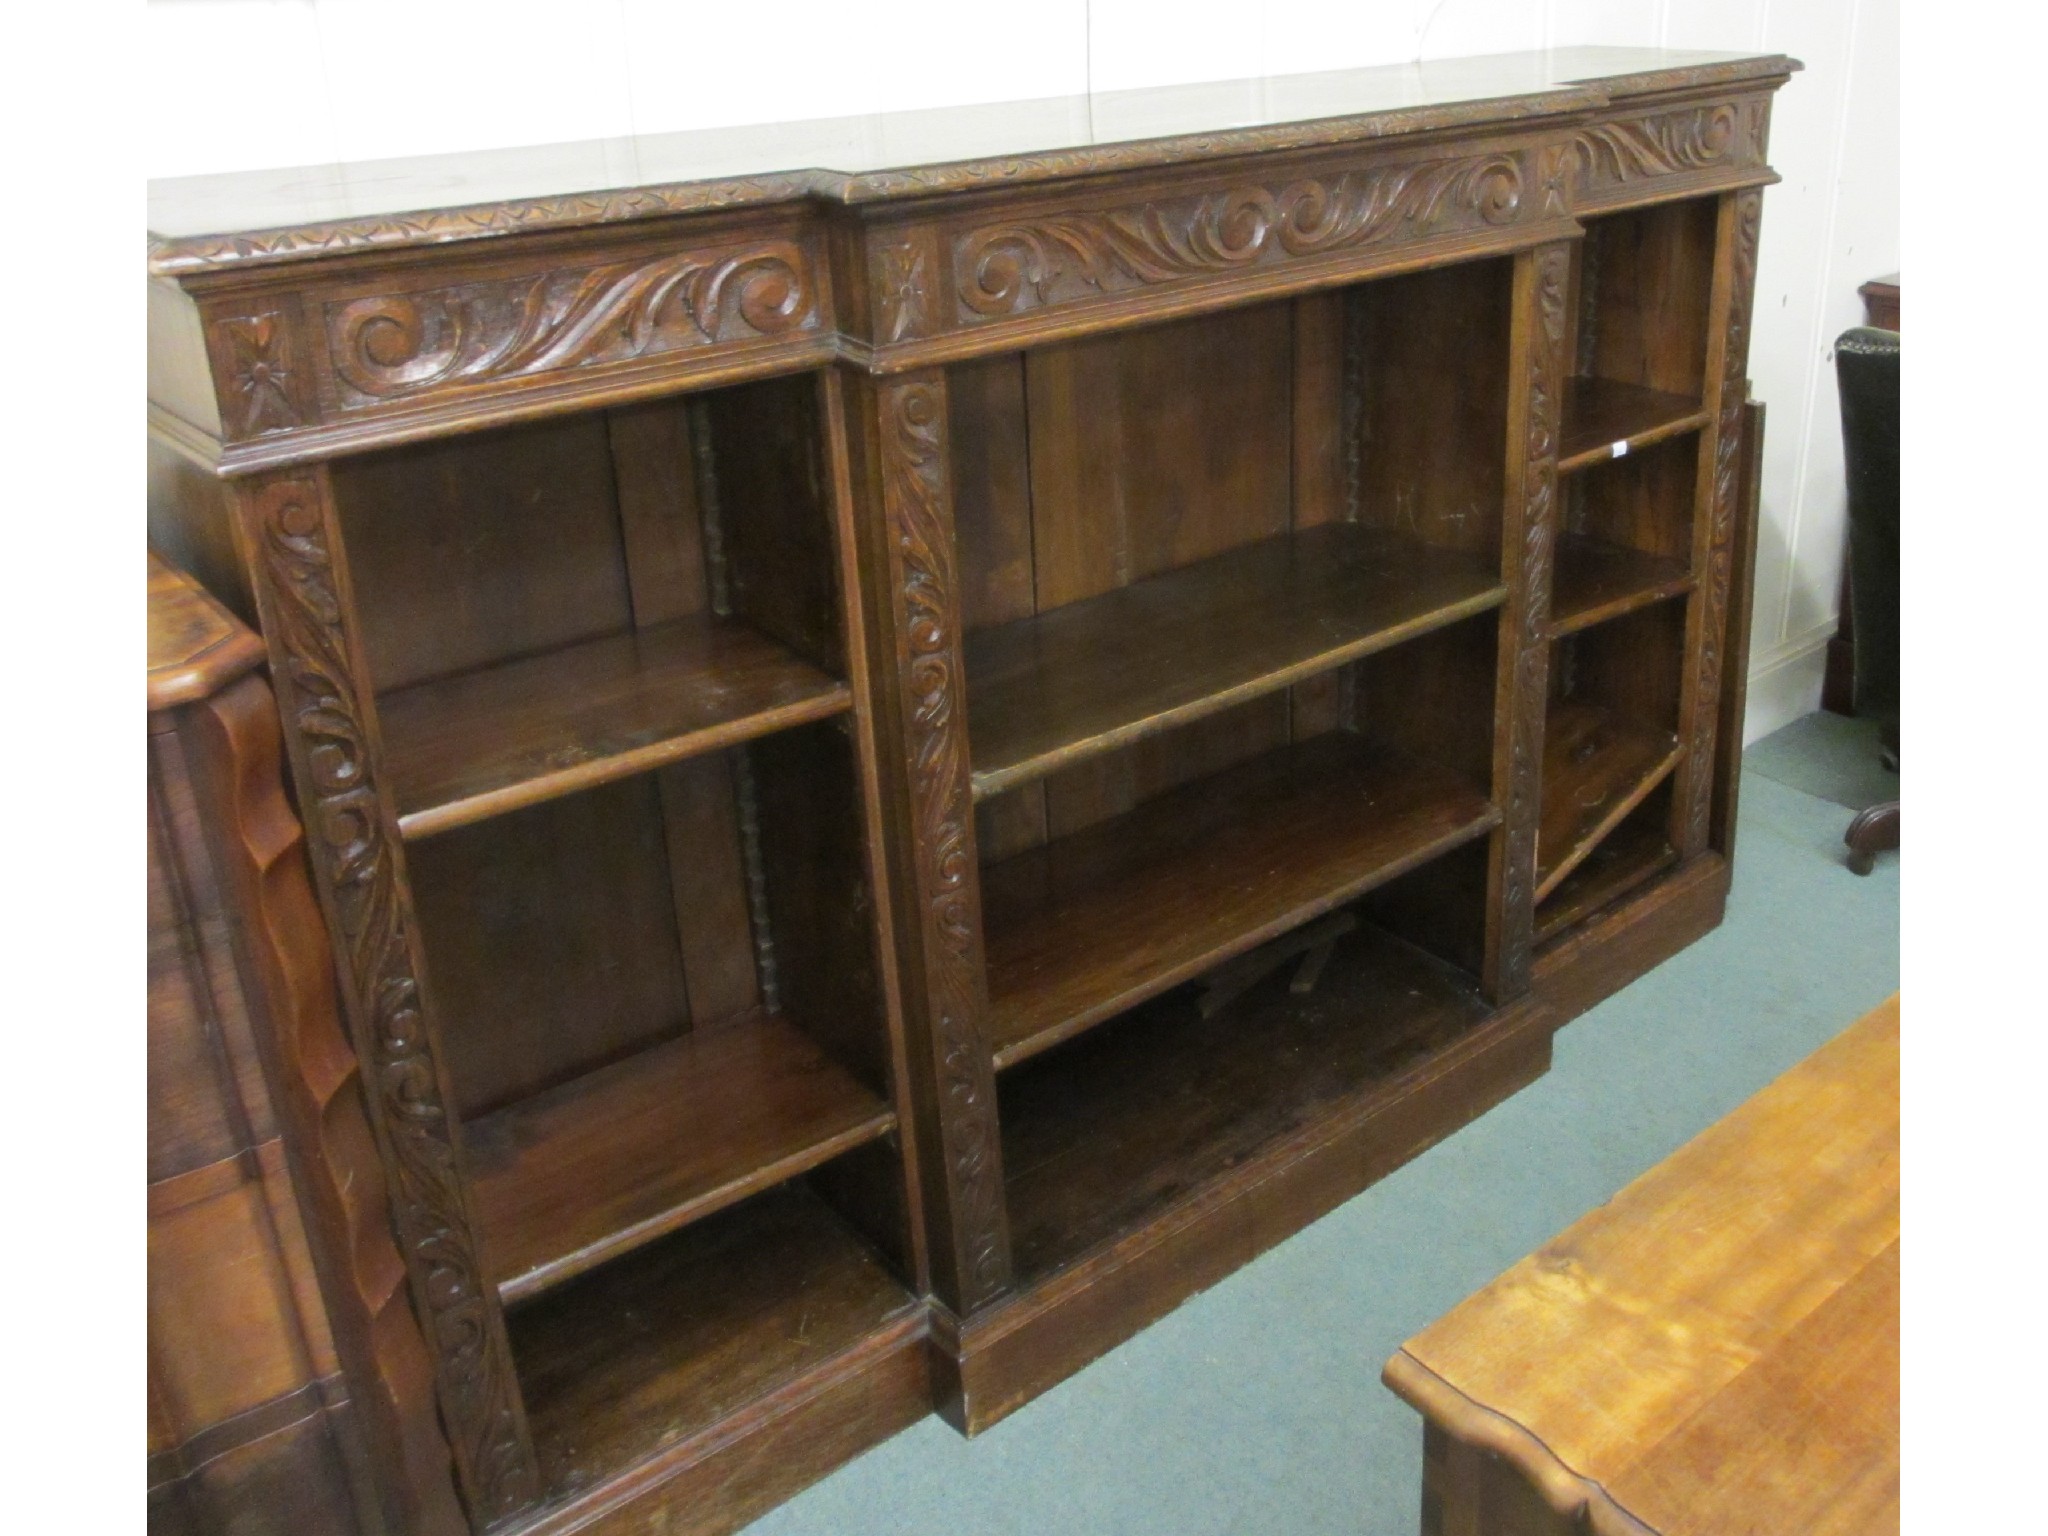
x,y
906,766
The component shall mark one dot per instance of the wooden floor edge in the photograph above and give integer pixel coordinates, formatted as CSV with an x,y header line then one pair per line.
x,y
1568,1495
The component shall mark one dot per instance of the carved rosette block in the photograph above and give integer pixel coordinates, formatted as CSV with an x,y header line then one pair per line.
x,y
1030,263
1716,136
1531,533
912,441
289,526
904,280
259,382
386,347
1696,800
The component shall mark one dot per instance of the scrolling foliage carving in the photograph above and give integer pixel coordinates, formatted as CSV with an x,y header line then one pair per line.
x,y
349,838
1532,652
1695,139
1720,552
1025,264
388,346
912,411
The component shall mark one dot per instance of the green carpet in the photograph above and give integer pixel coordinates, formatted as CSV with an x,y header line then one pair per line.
x,y
1257,1407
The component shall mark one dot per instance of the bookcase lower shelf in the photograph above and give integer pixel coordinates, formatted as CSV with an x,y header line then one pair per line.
x,y
1171,1215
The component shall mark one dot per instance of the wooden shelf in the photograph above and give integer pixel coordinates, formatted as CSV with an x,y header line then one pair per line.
x,y
1597,767
1599,413
671,1341
614,1159
1629,856
1095,923
462,748
1595,581
1051,690
1101,1136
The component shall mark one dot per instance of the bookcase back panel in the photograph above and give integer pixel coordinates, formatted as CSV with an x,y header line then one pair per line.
x,y
1631,665
1157,448
552,941
817,911
1643,502
1433,697
773,529
482,549
1430,352
1644,281
479,549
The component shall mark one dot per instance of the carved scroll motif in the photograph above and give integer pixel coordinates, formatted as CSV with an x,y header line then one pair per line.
x,y
322,707
912,413
1714,584
1532,659
388,346
1694,139
1026,264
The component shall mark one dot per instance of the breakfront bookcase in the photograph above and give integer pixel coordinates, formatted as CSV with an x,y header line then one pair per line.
x,y
918,735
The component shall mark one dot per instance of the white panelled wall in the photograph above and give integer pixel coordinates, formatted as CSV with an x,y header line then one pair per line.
x,y
365,79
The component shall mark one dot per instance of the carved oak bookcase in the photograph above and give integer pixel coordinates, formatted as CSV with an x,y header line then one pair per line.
x,y
908,765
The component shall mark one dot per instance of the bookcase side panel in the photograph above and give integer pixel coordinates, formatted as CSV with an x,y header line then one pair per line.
x,y
291,541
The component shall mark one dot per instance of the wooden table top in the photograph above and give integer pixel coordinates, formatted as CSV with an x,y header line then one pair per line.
x,y
1716,1348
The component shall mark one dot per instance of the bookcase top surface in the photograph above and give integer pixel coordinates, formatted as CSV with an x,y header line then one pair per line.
x,y
266,216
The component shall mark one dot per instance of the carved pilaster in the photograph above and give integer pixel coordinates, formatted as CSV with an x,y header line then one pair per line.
x,y
1714,538
294,551
947,983
1529,533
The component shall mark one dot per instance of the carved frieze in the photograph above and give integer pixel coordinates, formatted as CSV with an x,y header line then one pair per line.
x,y
1714,136
912,412
1032,262
386,347
322,705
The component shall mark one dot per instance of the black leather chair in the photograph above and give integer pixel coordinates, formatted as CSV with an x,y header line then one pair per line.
x,y
1867,370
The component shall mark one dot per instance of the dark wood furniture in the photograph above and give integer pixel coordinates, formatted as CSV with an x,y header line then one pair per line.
x,y
798,679
1867,372
1838,684
1715,1349
290,1390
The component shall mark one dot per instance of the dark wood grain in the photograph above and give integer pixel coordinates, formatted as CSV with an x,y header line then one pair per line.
x,y
526,431
196,647
1636,851
1600,413
1002,1359
571,1177
1597,767
693,1330
1594,581
1095,923
1102,1132
464,748
1049,691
